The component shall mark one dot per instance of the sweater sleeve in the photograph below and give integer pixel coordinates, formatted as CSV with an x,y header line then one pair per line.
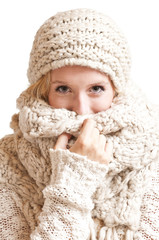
x,y
68,202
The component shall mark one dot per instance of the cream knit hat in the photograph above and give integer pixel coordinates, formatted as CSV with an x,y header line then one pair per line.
x,y
81,37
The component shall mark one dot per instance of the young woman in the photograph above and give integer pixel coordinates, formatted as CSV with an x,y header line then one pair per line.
x,y
82,161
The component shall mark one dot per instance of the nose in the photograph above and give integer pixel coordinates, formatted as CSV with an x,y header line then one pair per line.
x,y
81,105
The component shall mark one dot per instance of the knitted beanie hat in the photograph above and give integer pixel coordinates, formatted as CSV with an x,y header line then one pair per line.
x,y
81,37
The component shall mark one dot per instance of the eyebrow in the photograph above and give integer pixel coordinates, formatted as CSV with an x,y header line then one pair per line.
x,y
91,84
58,82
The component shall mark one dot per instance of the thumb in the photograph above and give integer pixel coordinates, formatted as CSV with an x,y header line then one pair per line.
x,y
62,141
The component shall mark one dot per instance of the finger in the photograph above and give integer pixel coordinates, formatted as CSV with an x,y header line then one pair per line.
x,y
102,142
94,139
87,127
109,148
62,141
108,155
86,133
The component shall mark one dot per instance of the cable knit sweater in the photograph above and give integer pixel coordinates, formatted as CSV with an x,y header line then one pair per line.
x,y
57,194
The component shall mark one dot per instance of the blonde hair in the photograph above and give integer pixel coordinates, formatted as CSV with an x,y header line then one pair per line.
x,y
40,89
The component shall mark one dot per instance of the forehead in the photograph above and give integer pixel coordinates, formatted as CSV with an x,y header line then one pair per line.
x,y
78,72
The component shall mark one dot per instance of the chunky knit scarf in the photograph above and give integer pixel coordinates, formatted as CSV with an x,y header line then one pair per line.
x,y
130,124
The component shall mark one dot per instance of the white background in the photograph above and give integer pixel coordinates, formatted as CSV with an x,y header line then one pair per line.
x,y
20,19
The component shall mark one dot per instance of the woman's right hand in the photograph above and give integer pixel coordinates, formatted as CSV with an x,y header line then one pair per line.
x,y
89,143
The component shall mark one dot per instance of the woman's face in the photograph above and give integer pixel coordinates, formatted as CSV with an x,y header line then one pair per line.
x,y
80,89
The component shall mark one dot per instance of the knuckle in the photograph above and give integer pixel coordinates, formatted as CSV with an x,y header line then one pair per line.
x,y
100,156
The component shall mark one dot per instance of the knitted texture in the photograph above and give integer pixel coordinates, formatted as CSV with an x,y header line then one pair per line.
x,y
56,194
81,37
131,125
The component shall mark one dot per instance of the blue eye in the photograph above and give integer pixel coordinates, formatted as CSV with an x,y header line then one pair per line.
x,y
97,89
62,89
